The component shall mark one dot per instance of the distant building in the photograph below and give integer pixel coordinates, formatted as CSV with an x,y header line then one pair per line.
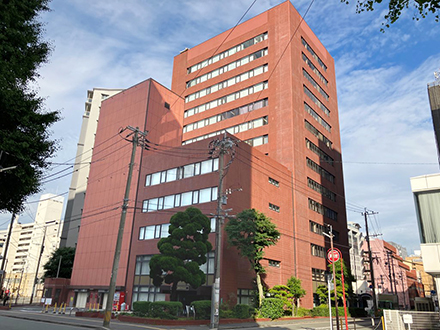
x,y
355,241
25,247
400,249
81,167
416,263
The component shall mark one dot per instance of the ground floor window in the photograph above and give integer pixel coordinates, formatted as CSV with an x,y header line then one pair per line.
x,y
147,293
245,296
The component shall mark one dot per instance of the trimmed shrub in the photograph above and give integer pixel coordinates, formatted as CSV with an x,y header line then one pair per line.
x,y
227,314
165,309
303,312
272,308
203,309
242,311
322,310
141,308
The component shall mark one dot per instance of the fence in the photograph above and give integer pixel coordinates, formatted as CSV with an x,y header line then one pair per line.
x,y
400,320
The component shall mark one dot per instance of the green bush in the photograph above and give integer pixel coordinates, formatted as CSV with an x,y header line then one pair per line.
x,y
272,308
322,310
203,309
303,312
165,309
242,311
357,312
141,308
227,314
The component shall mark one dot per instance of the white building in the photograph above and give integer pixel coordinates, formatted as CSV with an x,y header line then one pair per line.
x,y
356,240
29,241
78,185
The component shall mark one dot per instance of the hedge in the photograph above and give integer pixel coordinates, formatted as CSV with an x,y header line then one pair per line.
x,y
322,310
141,308
166,309
272,308
202,309
242,311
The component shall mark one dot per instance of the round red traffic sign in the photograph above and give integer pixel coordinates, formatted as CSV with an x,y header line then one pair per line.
x,y
333,255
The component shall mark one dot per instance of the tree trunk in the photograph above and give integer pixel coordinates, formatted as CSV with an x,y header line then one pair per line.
x,y
260,290
293,307
173,295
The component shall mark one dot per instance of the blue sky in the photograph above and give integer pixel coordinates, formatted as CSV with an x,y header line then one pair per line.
x,y
386,127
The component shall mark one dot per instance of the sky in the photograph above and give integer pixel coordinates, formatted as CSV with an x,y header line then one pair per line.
x,y
386,127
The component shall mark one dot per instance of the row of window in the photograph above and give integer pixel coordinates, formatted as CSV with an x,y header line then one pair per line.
x,y
182,172
226,99
311,51
312,129
226,83
315,84
317,250
226,68
321,189
258,141
318,275
317,117
228,52
318,169
274,207
322,155
320,229
225,115
161,231
314,69
177,200
321,209
274,263
316,101
274,182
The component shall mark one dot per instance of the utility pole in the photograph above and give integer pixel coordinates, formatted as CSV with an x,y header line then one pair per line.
x,y
39,260
59,265
367,238
111,291
330,235
222,147
5,251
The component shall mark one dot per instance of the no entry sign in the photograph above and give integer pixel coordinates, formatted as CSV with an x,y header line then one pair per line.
x,y
333,255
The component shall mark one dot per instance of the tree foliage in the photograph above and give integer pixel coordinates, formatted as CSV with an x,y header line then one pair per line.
x,y
395,8
295,288
251,232
183,251
67,255
322,290
24,135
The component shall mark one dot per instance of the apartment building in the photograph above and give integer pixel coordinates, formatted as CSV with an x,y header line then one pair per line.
x,y
268,84
81,167
356,241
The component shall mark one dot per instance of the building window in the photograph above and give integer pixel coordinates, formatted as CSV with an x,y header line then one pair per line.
x,y
245,296
318,134
316,100
318,169
182,172
258,141
226,68
226,99
226,83
321,189
274,182
167,105
322,155
317,117
182,199
225,115
317,251
314,69
316,57
315,84
228,52
274,263
321,209
208,267
318,275
274,207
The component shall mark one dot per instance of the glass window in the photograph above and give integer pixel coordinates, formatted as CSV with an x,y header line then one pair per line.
x,y
145,206
205,195
197,169
152,204
149,232
177,200
214,193
172,175
206,166
186,198
188,171
148,180
195,197
168,202
141,233
157,231
145,270
160,204
155,178
213,225
164,231
215,168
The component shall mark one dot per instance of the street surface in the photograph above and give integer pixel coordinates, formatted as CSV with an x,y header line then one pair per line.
x,y
31,318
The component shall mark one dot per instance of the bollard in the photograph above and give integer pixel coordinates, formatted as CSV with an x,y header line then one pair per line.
x,y
47,308
60,308
54,308
64,309
94,305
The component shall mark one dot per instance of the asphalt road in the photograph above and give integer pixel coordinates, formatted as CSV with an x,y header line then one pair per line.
x,y
33,319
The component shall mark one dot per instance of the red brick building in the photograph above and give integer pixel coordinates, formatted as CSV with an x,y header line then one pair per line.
x,y
269,83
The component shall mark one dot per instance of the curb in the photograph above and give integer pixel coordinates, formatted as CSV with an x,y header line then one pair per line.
x,y
53,322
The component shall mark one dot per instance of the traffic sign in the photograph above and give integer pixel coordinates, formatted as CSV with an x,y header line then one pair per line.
x,y
333,255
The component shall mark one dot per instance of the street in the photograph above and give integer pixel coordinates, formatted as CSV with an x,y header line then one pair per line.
x,y
32,318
